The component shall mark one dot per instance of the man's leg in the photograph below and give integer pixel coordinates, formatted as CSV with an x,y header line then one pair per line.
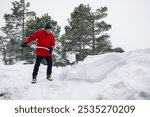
x,y
49,66
36,66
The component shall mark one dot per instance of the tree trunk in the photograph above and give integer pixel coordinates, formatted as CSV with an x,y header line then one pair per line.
x,y
93,33
81,49
23,20
23,26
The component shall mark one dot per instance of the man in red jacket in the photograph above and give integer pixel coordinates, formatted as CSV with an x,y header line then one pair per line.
x,y
46,39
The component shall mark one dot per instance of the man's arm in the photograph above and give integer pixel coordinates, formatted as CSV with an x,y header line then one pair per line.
x,y
33,37
52,44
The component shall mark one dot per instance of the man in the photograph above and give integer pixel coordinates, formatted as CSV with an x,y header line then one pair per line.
x,y
46,39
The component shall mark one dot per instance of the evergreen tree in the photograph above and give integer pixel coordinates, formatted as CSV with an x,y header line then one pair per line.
x,y
77,32
14,28
85,33
118,49
100,42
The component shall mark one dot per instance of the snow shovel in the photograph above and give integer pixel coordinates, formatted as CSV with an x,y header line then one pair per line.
x,y
60,58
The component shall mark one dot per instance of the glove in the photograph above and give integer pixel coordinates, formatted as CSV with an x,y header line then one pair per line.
x,y
50,49
24,44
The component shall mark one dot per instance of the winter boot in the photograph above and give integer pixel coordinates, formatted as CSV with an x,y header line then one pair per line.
x,y
49,78
33,80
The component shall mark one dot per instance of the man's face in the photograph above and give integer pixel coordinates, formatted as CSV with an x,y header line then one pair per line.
x,y
47,31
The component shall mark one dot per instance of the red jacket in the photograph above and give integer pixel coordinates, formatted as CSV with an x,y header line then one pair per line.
x,y
44,40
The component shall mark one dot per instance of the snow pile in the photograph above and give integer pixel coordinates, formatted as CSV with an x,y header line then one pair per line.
x,y
126,77
108,76
132,80
71,57
96,68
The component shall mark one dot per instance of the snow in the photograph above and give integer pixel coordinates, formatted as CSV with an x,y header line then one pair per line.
x,y
96,68
110,76
71,57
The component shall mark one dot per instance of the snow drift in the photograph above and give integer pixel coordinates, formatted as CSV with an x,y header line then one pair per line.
x,y
108,76
126,77
96,68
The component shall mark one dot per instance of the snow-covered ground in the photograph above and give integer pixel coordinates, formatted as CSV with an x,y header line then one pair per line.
x,y
102,77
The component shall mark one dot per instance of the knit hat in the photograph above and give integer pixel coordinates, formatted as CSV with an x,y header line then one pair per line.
x,y
48,25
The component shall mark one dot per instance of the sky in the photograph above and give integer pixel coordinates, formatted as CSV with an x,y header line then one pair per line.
x,y
130,19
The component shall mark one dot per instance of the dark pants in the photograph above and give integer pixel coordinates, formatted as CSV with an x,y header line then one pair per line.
x,y
37,64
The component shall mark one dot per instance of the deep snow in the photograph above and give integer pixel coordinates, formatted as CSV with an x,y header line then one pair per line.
x,y
104,77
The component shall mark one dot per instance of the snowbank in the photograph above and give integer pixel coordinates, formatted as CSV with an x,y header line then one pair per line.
x,y
127,76
96,68
108,76
130,81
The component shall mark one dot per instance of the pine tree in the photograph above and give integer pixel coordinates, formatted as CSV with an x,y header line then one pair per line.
x,y
118,49
98,28
85,33
76,33
14,28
